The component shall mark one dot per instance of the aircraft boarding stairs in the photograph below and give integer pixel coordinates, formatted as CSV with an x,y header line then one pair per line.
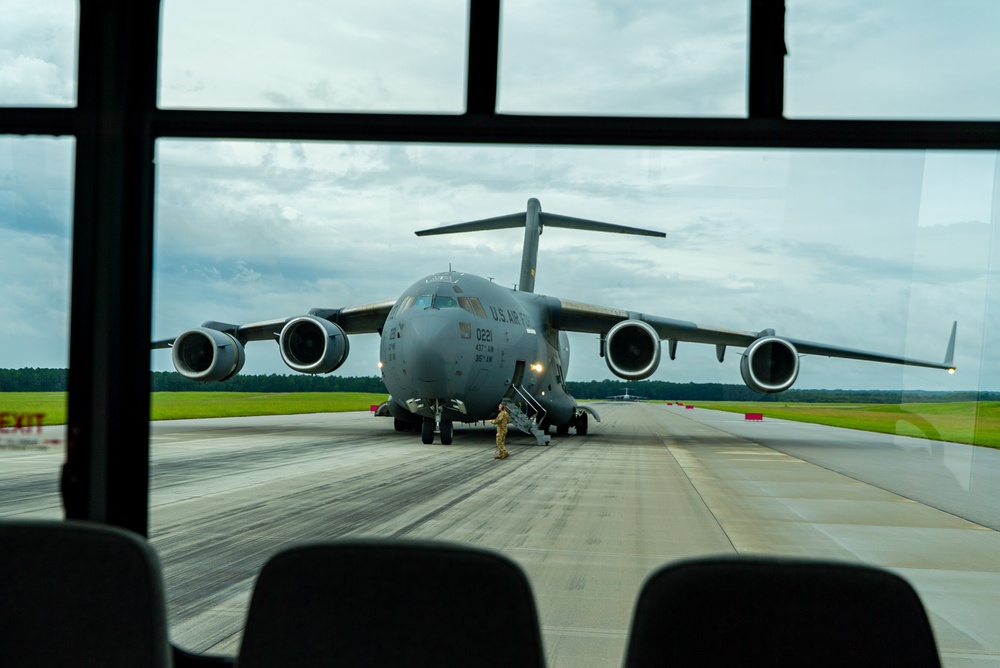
x,y
517,405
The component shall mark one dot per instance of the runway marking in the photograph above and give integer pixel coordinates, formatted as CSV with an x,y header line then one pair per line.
x,y
586,633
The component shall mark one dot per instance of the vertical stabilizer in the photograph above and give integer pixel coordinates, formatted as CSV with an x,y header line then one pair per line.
x,y
529,252
534,222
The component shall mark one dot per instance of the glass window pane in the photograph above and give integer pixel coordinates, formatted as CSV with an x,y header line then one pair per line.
x,y
872,250
310,55
892,59
478,307
644,59
35,211
38,49
445,302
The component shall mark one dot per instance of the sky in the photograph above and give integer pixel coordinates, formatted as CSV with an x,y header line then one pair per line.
x,y
873,250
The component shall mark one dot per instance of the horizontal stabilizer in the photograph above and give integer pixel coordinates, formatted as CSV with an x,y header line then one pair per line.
x,y
533,220
497,223
550,219
555,220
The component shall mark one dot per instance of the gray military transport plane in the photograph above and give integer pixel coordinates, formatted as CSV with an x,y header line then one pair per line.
x,y
455,345
626,397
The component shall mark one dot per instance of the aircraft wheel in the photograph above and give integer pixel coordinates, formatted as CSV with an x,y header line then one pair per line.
x,y
447,432
400,425
581,425
427,431
562,429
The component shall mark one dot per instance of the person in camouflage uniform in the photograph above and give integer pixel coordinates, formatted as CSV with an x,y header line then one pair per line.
x,y
501,421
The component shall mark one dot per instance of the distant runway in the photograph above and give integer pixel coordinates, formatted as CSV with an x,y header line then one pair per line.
x,y
588,518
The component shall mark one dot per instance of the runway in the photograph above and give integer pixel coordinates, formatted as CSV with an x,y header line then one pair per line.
x,y
588,518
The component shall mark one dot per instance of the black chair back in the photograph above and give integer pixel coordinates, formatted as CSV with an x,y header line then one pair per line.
x,y
391,603
751,611
79,594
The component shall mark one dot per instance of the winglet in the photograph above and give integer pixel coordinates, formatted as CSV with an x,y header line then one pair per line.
x,y
949,355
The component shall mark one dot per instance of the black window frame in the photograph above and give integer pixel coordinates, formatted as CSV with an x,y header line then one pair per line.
x,y
116,123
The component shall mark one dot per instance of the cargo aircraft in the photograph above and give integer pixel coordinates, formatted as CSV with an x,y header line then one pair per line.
x,y
626,397
455,345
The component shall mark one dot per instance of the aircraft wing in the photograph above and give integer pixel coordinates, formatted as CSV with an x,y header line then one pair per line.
x,y
363,319
578,317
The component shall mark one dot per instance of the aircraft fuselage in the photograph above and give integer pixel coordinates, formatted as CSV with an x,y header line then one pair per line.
x,y
455,345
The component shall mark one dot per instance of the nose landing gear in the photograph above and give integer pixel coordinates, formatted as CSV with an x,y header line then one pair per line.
x,y
447,432
435,424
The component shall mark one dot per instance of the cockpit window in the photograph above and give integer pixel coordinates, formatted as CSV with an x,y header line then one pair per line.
x,y
478,307
435,301
469,304
401,305
445,302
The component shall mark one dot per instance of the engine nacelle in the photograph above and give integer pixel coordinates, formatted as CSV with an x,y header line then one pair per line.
x,y
207,355
632,350
313,345
770,365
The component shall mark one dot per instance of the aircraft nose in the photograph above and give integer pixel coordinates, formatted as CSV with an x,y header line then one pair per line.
x,y
427,340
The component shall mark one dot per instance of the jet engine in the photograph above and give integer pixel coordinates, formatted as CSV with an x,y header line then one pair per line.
x,y
312,345
632,350
770,365
207,355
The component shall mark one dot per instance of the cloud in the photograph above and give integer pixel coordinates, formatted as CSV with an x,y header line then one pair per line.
x,y
896,59
248,231
331,225
35,184
34,276
877,250
38,53
623,58
308,55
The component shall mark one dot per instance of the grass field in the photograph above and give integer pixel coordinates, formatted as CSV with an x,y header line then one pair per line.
x,y
178,405
961,422
52,404
964,422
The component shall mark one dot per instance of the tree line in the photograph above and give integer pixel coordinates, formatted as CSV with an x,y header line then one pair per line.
x,y
659,390
55,380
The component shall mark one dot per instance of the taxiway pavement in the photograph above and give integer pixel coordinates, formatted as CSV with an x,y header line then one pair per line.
x,y
588,518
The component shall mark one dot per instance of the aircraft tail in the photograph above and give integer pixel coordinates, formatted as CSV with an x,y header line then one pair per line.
x,y
534,220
